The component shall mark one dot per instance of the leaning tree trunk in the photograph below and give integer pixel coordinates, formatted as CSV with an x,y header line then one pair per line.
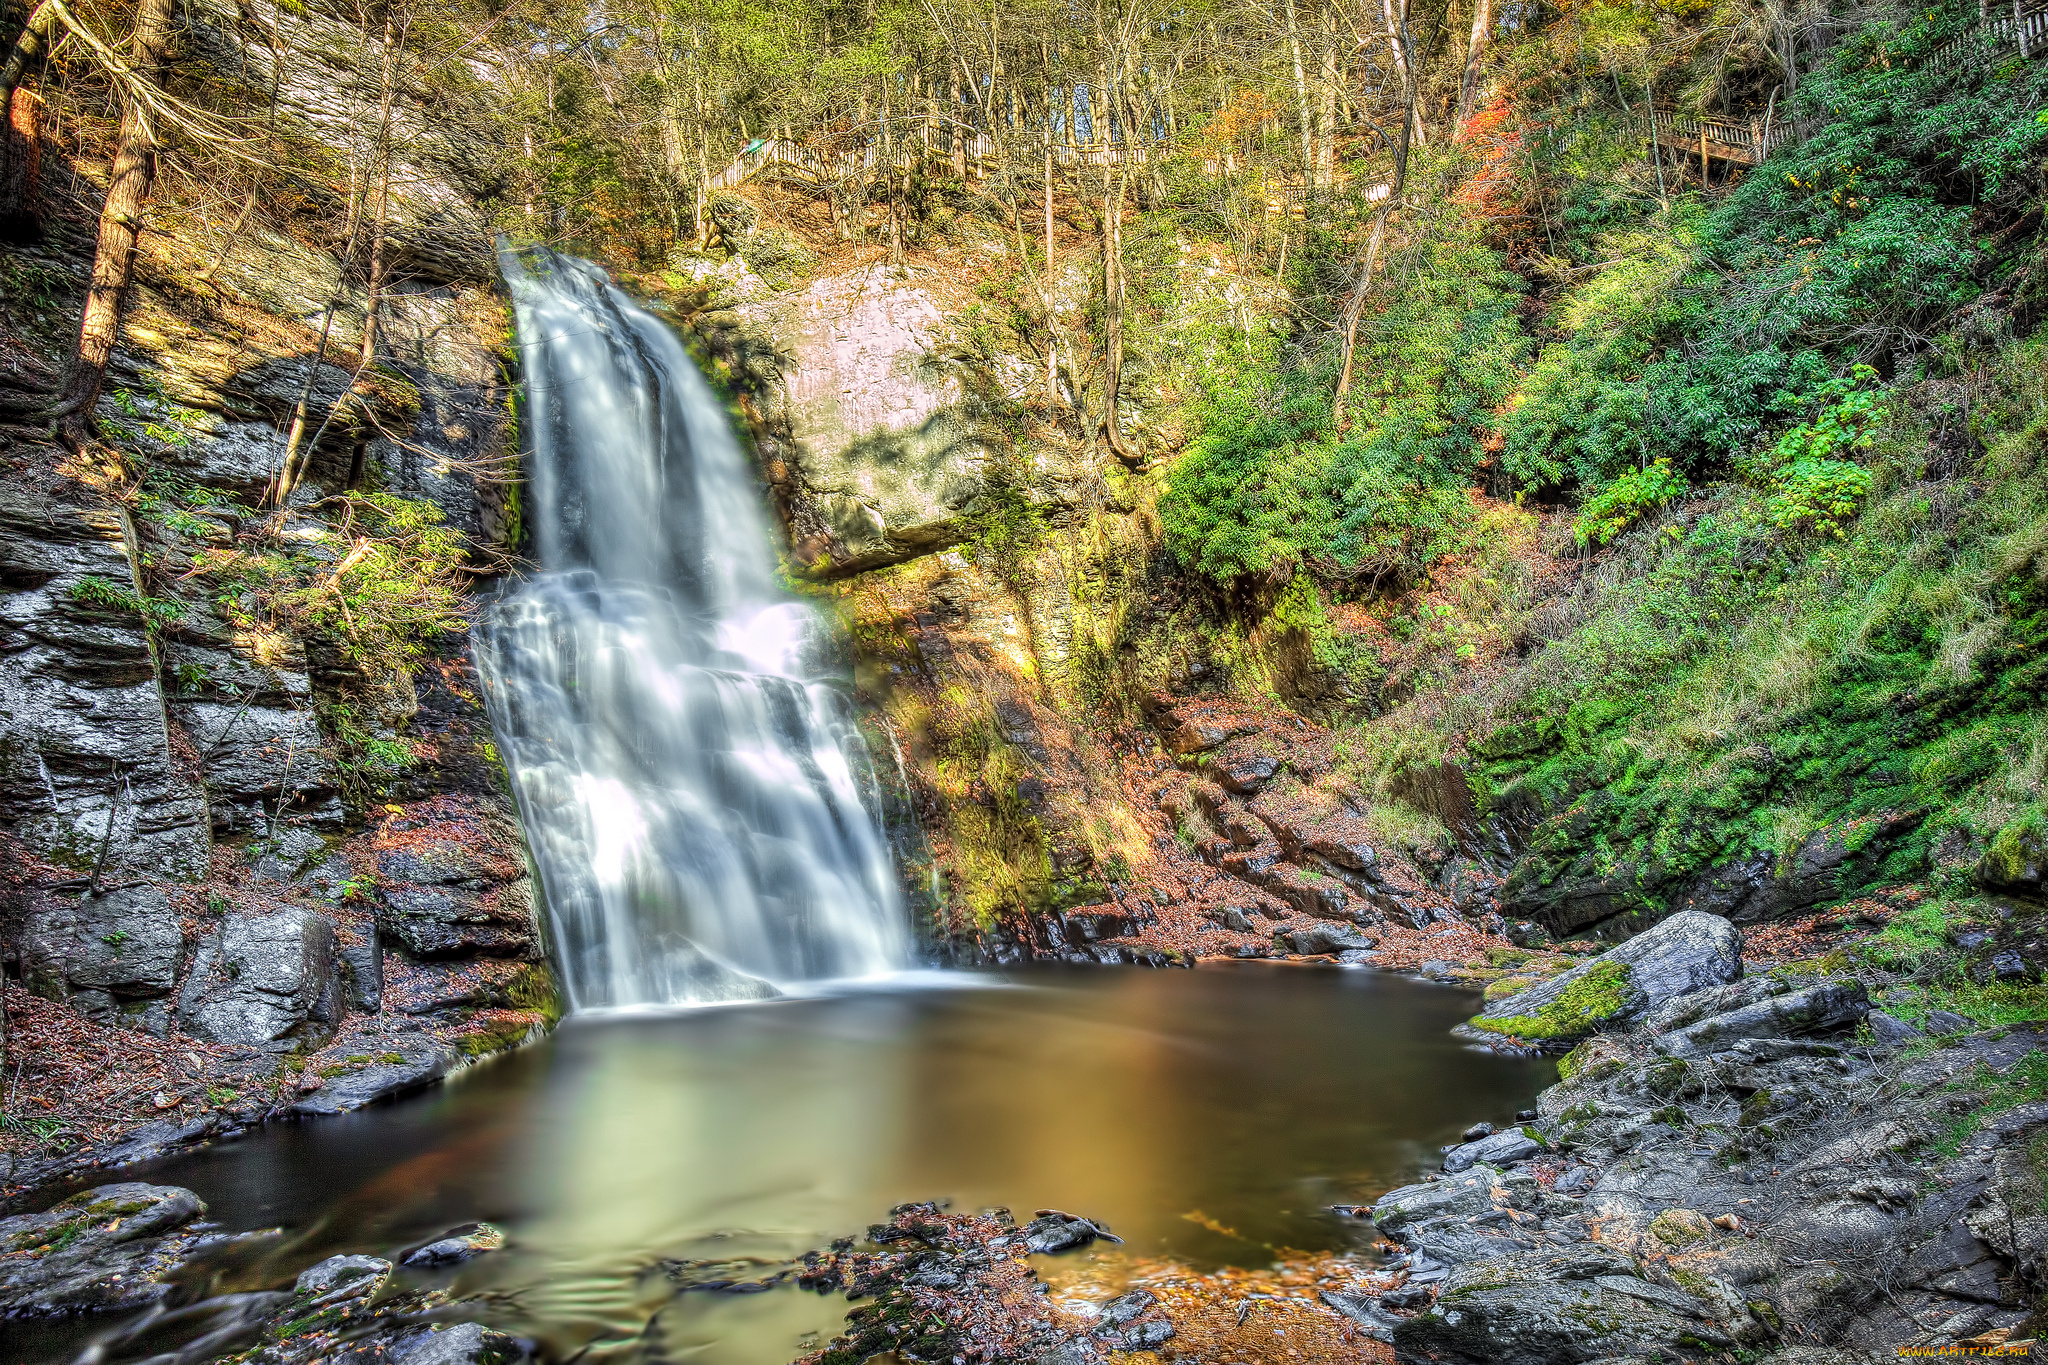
x,y
99,326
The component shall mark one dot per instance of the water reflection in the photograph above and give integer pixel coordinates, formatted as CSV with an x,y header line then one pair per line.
x,y
1209,1115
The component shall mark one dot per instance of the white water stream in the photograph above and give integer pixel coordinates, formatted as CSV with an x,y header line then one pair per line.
x,y
697,796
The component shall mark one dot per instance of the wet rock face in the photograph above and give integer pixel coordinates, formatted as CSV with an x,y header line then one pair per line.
x,y
106,1249
1818,1009
264,980
1582,1304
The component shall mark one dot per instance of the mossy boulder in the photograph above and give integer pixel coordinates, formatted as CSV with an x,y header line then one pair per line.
x,y
108,1249
1688,952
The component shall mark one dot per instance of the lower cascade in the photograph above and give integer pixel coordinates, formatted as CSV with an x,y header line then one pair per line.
x,y
698,798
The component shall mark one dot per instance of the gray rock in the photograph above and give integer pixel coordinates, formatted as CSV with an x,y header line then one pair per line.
x,y
1577,1180
359,1275
1944,1023
441,901
109,1248
1830,1005
1056,1232
1119,1311
125,943
1066,1353
458,1246
419,1067
2004,965
462,1343
264,979
153,1140
328,879
1148,1336
2015,866
253,756
1685,953
873,379
1360,1309
1477,1189
289,853
83,740
362,960
1318,939
1889,1031
1246,776
1680,1011
1554,1305
1500,1149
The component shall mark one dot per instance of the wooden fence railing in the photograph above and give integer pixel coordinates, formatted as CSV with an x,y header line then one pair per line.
x,y
2021,27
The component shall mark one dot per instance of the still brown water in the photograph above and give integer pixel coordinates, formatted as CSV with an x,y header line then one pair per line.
x,y
1211,1115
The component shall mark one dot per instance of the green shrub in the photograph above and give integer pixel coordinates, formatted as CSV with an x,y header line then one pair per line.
x,y
1632,496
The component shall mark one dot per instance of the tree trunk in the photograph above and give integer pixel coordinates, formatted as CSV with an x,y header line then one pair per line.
x,y
20,147
134,173
1395,13
21,153
1475,54
381,151
1333,85
1354,308
374,283
1113,312
1052,359
1301,105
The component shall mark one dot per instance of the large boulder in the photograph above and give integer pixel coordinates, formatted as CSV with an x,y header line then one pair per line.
x,y
1496,1149
1688,952
106,1249
878,389
264,980
114,956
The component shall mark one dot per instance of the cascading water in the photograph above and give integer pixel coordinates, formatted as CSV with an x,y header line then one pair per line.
x,y
694,788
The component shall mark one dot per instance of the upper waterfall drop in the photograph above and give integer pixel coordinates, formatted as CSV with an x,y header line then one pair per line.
x,y
699,801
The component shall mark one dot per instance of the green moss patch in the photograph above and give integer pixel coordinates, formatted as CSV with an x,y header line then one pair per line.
x,y
1582,1006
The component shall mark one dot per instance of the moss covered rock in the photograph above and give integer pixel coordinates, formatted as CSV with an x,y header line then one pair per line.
x,y
1686,953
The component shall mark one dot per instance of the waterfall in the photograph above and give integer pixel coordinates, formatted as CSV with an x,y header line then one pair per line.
x,y
698,799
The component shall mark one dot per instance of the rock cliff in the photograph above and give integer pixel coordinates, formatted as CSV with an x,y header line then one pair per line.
x,y
247,793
